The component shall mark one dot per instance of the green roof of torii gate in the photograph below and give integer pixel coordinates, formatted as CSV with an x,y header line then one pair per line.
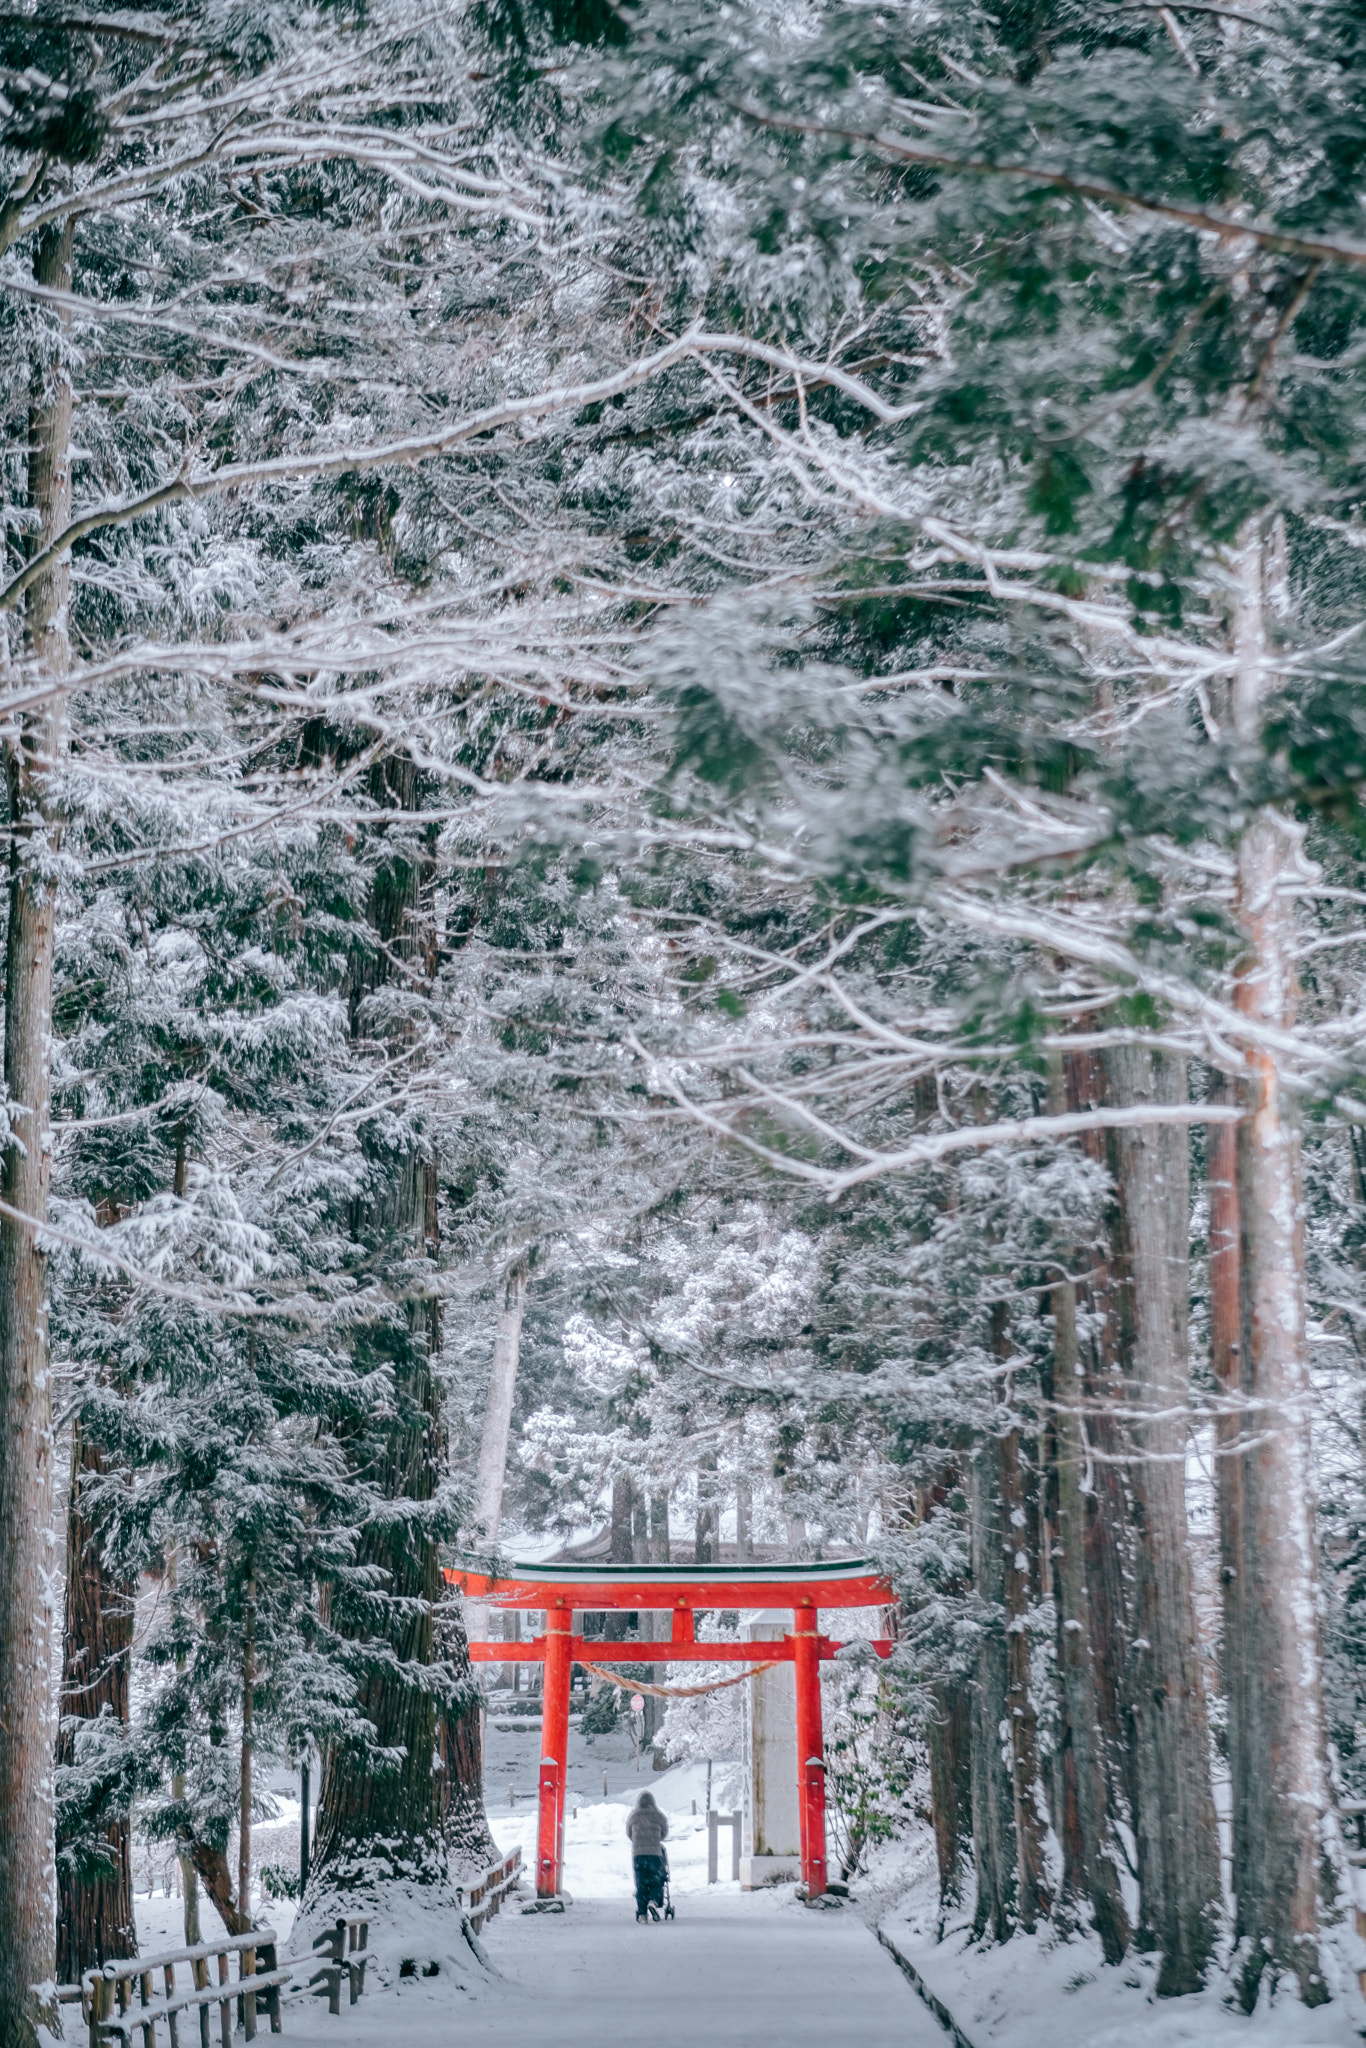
x,y
845,1582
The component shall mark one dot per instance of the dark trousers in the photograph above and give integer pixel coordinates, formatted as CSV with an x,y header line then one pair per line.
x,y
649,1882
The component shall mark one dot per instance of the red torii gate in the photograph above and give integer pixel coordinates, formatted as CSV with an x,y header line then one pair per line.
x,y
564,1590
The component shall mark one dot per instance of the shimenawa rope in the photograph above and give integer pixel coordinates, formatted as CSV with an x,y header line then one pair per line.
x,y
677,1692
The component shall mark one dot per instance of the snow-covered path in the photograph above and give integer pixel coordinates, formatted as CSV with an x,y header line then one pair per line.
x,y
734,1970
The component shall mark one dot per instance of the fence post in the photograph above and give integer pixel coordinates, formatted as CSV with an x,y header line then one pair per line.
x,y
101,2007
713,1828
246,1967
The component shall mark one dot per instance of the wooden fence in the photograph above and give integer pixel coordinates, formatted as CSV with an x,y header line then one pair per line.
x,y
484,1895
123,1999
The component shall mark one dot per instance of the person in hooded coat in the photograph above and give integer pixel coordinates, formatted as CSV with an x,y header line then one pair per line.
x,y
647,1827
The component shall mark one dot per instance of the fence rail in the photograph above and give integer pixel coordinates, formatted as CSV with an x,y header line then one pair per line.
x,y
482,1896
341,1952
121,1999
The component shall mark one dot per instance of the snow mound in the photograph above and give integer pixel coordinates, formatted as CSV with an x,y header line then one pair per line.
x,y
419,1941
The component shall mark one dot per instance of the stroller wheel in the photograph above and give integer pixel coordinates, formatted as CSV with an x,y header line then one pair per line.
x,y
668,1912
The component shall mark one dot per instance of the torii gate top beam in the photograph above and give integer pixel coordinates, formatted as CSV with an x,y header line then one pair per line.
x,y
593,1588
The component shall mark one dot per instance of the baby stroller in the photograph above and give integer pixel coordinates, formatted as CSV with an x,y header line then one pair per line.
x,y
654,1891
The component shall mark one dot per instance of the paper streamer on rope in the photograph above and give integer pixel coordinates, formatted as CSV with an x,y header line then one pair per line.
x,y
677,1692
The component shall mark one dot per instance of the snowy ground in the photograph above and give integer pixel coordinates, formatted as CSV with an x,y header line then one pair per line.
x,y
1056,1994
742,1970
734,1970
596,1852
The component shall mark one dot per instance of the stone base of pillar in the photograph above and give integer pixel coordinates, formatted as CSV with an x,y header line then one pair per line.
x,y
758,1871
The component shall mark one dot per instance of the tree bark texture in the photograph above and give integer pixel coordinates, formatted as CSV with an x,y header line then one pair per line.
x,y
659,1527
212,1866
460,1749
189,1876
1280,1718
949,1743
1174,1820
1090,1864
744,1522
706,1529
382,1804
491,1475
1031,1819
993,1791
621,1545
247,1755
1108,1516
1227,1372
94,1893
371,1810
28,1600
493,1444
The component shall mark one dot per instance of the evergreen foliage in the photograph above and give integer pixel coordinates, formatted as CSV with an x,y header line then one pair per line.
x,y
713,647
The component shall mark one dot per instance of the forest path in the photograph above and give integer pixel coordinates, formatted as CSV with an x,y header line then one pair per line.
x,y
734,1970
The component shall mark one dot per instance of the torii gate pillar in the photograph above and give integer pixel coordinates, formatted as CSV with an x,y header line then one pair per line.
x,y
810,1748
559,1629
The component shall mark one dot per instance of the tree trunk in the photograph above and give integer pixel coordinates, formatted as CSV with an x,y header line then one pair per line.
x,y
1030,1819
248,1744
372,1810
189,1876
460,1746
659,1527
949,1739
744,1523
1227,1371
1174,1819
1280,1721
1108,1516
491,1476
94,1895
1090,1869
28,1878
993,1792
706,1547
379,1807
493,1445
212,1865
620,1547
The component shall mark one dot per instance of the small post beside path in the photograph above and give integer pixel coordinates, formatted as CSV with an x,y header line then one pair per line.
x,y
715,1822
